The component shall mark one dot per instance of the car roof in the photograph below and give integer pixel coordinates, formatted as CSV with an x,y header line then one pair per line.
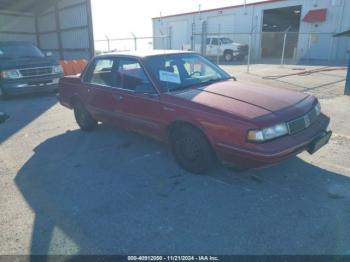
x,y
146,53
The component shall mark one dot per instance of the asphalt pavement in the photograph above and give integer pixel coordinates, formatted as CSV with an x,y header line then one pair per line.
x,y
63,191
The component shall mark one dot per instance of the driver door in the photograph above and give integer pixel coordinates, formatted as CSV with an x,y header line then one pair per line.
x,y
139,100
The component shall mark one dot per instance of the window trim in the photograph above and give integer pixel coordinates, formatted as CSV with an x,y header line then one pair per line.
x,y
116,58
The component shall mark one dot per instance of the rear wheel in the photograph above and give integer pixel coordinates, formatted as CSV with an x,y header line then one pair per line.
x,y
192,150
84,118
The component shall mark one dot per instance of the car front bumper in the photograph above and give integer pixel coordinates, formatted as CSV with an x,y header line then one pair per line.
x,y
272,152
27,86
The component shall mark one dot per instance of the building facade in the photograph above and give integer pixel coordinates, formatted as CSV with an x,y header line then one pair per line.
x,y
302,30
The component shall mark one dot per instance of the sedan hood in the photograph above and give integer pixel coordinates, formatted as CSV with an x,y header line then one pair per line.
x,y
266,97
248,100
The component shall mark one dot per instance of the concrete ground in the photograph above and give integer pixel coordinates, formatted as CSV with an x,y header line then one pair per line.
x,y
63,191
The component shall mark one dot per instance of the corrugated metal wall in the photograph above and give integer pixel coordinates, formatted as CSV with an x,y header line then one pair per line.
x,y
47,32
17,26
64,29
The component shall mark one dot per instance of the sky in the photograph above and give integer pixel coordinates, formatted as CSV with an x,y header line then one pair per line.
x,y
121,18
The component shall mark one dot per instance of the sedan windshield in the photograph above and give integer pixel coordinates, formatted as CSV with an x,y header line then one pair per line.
x,y
19,51
180,71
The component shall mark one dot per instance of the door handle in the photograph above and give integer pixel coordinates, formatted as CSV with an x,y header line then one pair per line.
x,y
120,98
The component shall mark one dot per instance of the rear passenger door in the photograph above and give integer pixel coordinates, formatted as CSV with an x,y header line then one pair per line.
x,y
102,95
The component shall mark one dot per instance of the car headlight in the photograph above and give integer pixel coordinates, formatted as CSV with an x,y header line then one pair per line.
x,y
11,74
57,69
318,109
265,134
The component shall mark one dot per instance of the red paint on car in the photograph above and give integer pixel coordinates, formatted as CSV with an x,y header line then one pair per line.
x,y
221,110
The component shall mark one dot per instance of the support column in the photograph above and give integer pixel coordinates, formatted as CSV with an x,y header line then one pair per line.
x,y
91,29
58,31
347,84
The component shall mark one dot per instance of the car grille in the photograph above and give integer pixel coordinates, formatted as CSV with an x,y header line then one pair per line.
x,y
302,123
38,71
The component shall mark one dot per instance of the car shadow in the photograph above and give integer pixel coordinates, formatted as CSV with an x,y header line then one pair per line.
x,y
22,110
115,192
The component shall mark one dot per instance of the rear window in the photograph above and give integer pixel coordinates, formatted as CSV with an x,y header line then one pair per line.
x,y
102,73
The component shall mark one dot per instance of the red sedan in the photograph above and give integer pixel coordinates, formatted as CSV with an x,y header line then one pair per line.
x,y
204,113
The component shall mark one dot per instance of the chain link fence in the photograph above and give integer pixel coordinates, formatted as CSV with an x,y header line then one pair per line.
x,y
292,48
109,45
225,48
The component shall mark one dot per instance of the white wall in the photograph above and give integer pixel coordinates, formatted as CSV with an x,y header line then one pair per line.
x,y
241,21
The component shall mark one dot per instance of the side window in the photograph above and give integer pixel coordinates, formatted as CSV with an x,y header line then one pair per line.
x,y
101,73
130,75
215,41
208,41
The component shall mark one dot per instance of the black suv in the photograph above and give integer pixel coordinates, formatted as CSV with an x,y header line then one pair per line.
x,y
25,69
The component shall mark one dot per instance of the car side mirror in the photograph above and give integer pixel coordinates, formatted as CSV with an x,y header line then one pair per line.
x,y
48,54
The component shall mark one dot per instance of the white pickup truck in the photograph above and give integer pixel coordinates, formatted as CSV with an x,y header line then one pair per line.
x,y
223,47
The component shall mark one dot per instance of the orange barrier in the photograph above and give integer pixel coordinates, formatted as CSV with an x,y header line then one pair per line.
x,y
73,67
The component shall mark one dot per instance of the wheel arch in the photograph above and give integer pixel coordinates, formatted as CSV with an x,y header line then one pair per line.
x,y
178,123
228,51
181,122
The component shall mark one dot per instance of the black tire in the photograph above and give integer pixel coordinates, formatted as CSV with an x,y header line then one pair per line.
x,y
228,56
192,150
84,118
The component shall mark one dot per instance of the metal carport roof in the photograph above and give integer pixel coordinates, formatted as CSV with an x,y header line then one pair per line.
x,y
346,33
31,6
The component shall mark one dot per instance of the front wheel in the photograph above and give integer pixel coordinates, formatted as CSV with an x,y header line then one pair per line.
x,y
84,118
228,56
192,150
